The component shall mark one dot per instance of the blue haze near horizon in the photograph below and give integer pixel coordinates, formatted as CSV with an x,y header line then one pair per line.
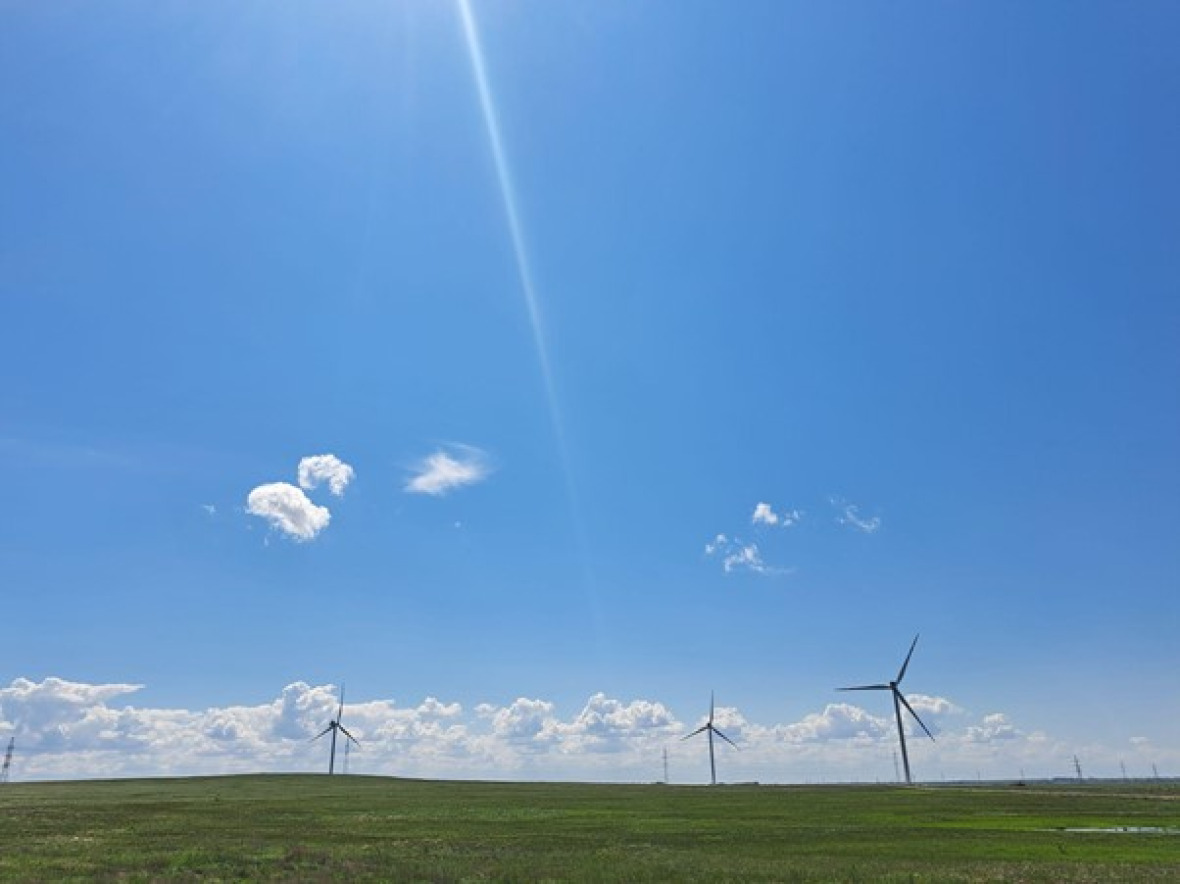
x,y
920,260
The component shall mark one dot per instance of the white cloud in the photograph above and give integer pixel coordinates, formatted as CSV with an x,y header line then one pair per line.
x,y
838,721
320,468
994,726
717,544
611,726
737,555
932,707
291,511
288,509
527,723
66,729
446,471
55,700
848,514
746,556
764,514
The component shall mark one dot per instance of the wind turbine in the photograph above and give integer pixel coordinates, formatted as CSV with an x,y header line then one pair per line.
x,y
708,727
334,725
8,760
899,700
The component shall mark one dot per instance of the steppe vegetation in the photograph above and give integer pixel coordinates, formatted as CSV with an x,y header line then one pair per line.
x,y
348,828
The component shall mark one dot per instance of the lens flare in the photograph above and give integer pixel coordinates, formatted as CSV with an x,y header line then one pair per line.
x,y
508,194
524,271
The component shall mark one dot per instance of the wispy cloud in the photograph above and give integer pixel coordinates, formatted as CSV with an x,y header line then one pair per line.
x,y
848,514
448,469
736,555
288,510
764,514
22,452
320,468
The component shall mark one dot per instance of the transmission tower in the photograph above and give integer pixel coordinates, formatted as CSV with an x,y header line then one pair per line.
x,y
1077,765
665,765
7,760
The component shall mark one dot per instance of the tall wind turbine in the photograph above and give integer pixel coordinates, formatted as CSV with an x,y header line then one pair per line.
x,y
710,729
334,725
8,760
899,700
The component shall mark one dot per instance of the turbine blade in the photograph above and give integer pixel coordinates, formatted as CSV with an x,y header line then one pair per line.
x,y
904,665
340,713
907,705
320,734
711,706
727,739
867,687
694,733
344,731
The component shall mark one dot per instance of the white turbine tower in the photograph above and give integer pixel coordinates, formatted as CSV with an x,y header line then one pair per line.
x,y
899,700
333,726
710,729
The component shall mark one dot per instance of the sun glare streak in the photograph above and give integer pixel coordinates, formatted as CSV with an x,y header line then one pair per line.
x,y
516,233
508,195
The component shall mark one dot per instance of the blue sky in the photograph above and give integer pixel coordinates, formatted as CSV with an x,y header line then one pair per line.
x,y
921,263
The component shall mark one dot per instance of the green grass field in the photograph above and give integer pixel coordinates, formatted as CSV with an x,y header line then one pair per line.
x,y
299,827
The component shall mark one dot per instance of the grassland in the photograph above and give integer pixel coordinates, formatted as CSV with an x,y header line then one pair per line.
x,y
362,828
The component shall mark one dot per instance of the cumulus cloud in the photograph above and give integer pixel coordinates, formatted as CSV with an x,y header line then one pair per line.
x,y
609,725
838,721
932,707
289,510
67,729
320,468
55,700
764,514
848,514
449,469
522,717
736,555
292,512
995,726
